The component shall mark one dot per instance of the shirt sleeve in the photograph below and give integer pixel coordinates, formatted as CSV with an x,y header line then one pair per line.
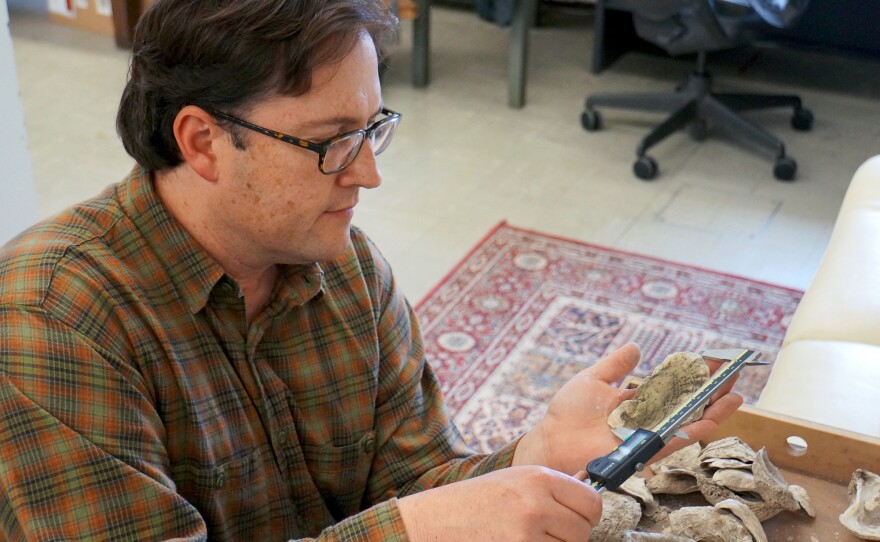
x,y
418,447
82,454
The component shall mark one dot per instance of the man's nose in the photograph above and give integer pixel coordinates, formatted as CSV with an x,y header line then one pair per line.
x,y
363,171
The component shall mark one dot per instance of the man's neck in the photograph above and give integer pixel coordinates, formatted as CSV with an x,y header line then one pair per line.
x,y
255,281
257,293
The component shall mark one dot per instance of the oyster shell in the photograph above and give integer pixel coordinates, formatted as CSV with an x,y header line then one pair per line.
x,y
770,485
707,523
670,385
728,448
736,479
652,518
636,486
803,499
712,491
862,516
685,458
637,536
746,516
620,513
726,464
674,482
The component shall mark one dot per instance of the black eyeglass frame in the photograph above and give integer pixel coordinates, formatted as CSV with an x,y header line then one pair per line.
x,y
319,147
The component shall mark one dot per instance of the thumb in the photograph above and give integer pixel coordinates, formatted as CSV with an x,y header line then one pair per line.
x,y
618,364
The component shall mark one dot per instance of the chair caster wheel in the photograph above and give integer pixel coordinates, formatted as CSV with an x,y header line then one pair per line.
x,y
698,130
784,169
802,119
591,121
645,168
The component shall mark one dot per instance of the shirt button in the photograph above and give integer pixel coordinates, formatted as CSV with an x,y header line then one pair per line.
x,y
282,436
220,478
369,445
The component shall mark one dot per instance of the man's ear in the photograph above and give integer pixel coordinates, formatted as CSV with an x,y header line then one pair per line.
x,y
199,138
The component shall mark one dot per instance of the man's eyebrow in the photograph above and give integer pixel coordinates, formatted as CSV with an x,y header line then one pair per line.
x,y
336,121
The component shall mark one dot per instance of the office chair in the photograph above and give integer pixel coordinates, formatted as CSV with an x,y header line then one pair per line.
x,y
524,15
701,26
419,11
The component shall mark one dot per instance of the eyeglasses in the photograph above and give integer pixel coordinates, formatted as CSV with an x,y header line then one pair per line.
x,y
336,153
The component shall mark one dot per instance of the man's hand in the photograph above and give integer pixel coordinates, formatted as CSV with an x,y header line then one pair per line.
x,y
517,503
575,429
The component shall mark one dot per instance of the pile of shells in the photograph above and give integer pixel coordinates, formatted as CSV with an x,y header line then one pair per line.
x,y
740,485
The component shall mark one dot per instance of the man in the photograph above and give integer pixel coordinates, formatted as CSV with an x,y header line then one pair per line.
x,y
209,350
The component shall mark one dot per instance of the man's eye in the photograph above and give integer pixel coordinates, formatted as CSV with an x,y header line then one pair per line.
x,y
329,136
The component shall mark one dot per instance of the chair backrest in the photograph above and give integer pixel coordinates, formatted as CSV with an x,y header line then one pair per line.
x,y
688,26
779,13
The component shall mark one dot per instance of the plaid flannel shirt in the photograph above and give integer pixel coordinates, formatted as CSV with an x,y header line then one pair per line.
x,y
136,403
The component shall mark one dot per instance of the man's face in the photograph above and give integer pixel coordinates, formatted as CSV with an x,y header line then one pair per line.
x,y
272,202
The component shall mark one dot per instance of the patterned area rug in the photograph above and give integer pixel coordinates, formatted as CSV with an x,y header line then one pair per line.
x,y
524,312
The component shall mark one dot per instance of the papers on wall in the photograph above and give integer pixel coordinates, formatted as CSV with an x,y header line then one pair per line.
x,y
63,7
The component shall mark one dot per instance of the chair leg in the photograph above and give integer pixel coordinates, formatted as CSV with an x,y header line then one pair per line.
x,y
524,15
669,101
421,44
739,127
747,102
685,114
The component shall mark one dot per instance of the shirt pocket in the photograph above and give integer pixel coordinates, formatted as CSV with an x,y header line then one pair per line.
x,y
233,486
341,472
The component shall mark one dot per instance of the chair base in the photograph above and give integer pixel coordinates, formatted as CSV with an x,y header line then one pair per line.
x,y
695,105
421,59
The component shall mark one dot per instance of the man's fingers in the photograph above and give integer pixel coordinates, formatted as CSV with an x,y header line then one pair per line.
x,y
566,525
618,364
578,497
712,417
718,411
724,391
714,366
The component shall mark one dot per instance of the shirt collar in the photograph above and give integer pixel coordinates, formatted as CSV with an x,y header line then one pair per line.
x,y
191,269
296,285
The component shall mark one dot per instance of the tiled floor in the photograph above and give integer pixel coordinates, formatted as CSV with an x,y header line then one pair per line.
x,y
463,161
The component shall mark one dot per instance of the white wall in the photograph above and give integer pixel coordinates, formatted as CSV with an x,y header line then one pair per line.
x,y
18,197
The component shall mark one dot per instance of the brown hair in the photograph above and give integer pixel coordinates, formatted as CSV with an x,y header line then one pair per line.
x,y
229,54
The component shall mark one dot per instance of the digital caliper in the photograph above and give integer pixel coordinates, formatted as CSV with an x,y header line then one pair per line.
x,y
612,470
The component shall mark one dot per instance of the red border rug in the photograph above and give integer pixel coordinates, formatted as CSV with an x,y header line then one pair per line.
x,y
525,311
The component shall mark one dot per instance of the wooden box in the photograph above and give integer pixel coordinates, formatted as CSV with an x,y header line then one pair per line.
x,y
824,468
